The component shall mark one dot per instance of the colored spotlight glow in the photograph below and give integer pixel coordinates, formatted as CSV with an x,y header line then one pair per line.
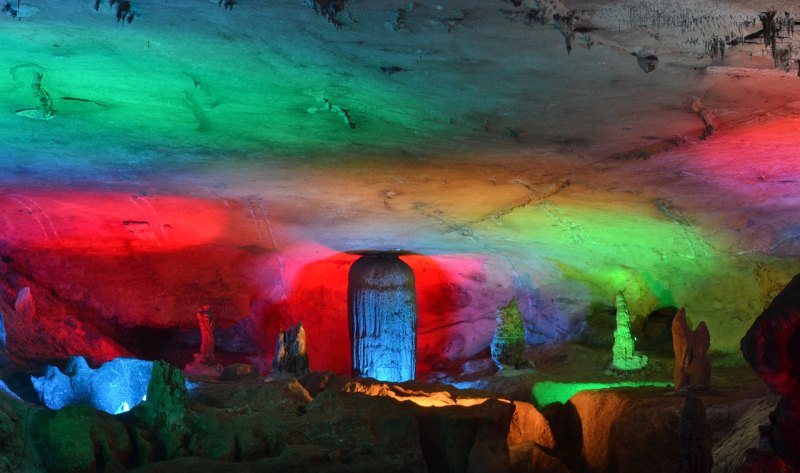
x,y
548,392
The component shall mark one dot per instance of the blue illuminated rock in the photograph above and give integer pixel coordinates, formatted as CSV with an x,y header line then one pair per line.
x,y
3,353
114,387
382,314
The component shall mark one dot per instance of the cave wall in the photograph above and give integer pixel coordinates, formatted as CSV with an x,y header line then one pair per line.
x,y
102,266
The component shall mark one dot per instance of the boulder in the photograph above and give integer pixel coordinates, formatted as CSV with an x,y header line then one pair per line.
x,y
79,439
616,431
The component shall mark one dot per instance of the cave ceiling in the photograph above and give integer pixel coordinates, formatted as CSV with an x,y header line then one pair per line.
x,y
551,151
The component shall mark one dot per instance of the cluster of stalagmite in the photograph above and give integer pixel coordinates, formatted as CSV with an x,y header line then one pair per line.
x,y
291,355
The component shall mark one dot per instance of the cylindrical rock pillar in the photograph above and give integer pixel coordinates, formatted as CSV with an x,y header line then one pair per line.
x,y
382,314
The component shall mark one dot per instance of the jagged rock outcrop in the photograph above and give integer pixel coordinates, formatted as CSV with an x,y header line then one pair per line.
x,y
772,347
291,355
382,316
626,358
692,365
167,399
46,328
114,387
164,414
508,343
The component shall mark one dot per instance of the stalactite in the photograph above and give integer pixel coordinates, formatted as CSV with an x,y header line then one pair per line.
x,y
382,315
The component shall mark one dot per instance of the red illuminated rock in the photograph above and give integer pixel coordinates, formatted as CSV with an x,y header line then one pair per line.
x,y
205,363
772,347
25,305
692,365
58,331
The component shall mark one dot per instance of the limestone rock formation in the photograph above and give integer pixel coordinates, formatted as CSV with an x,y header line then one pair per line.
x,y
205,363
626,358
647,60
695,437
25,306
167,399
692,365
382,316
772,347
508,343
291,355
114,387
4,360
618,430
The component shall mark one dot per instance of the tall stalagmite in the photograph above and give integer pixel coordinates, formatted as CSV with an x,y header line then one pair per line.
x,y
382,314
626,358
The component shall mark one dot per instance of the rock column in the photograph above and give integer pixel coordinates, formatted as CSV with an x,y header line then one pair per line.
x,y
382,315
